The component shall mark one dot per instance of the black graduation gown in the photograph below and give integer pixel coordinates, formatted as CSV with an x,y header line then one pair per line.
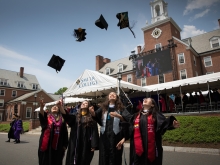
x,y
11,130
51,156
161,124
81,140
108,153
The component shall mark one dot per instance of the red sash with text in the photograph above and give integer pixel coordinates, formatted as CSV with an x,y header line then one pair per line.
x,y
151,139
137,137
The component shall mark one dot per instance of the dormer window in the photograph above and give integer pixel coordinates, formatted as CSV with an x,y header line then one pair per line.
x,y
120,68
3,82
107,71
35,86
215,42
20,84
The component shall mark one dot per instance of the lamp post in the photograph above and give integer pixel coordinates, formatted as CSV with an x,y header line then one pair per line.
x,y
23,103
133,57
119,76
35,96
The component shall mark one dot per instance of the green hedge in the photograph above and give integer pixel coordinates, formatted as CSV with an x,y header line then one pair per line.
x,y
195,129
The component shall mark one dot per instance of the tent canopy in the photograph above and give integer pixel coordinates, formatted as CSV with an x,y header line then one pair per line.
x,y
94,84
67,100
188,85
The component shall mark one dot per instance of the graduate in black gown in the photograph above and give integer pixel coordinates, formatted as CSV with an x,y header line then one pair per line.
x,y
11,130
54,137
112,133
148,126
84,137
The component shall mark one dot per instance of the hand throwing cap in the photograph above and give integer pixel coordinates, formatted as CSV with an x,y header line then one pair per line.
x,y
56,62
101,22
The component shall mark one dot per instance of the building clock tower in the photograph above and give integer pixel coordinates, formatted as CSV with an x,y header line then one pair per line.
x,y
162,27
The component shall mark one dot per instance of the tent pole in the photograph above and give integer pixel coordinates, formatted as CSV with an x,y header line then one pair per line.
x,y
118,87
158,99
181,98
210,101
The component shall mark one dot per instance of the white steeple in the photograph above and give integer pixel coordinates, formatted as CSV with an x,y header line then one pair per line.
x,y
158,10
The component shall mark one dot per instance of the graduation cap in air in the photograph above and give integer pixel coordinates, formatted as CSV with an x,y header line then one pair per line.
x,y
124,21
56,62
101,22
80,34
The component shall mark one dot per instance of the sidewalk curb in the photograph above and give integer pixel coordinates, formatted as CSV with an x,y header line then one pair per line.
x,y
210,151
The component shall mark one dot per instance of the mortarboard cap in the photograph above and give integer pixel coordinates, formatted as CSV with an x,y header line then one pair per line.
x,y
123,20
80,34
101,22
56,62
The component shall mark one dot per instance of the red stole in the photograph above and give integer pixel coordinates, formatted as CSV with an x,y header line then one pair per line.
x,y
46,135
137,137
151,138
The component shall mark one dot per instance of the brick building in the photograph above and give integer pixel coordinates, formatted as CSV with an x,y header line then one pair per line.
x,y
189,57
19,93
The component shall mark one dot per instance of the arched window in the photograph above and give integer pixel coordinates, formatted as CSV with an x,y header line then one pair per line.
x,y
157,10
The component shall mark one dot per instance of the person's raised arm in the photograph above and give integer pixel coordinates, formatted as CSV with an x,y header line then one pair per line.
x,y
59,104
42,104
92,111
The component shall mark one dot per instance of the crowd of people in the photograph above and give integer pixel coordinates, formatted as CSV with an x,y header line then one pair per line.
x,y
144,129
169,103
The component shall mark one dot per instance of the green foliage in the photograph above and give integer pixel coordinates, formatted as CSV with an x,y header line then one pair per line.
x,y
6,127
61,91
195,129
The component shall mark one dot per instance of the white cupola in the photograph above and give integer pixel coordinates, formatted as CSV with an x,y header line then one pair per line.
x,y
158,10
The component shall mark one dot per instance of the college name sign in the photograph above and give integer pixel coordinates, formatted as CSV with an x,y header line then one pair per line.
x,y
87,81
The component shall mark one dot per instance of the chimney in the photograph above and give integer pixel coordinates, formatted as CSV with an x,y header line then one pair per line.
x,y
219,22
138,49
21,71
106,60
99,62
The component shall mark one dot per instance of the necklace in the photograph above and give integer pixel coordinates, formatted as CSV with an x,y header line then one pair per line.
x,y
83,113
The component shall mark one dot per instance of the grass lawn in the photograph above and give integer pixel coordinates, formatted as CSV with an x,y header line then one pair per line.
x,y
6,127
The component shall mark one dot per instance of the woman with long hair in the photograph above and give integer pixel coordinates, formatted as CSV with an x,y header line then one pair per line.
x,y
112,133
84,137
148,126
54,137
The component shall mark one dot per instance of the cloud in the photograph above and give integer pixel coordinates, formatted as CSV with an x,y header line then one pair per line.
x,y
190,31
199,15
11,60
14,55
198,4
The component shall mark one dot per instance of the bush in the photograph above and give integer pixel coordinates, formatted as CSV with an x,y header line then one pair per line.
x,y
195,129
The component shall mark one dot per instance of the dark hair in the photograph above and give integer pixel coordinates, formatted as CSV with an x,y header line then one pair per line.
x,y
118,103
15,115
88,121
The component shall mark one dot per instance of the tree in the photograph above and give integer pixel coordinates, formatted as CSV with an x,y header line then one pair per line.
x,y
61,91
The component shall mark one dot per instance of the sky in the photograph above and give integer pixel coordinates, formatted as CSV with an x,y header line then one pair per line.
x,y
31,31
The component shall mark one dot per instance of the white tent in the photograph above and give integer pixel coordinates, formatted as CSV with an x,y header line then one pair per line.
x,y
94,84
67,100
188,85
